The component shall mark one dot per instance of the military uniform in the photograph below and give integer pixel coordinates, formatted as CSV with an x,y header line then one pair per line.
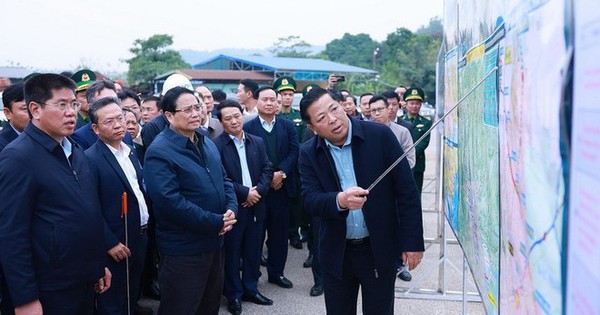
x,y
83,79
298,216
420,125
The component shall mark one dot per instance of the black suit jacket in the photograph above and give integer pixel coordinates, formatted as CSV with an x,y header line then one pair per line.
x,y
259,166
287,146
7,135
111,182
393,209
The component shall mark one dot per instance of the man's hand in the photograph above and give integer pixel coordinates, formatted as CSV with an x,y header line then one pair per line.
x,y
228,222
352,198
277,181
252,198
412,259
331,81
31,308
104,282
119,252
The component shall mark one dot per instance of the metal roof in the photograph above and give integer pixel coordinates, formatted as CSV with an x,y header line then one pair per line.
x,y
220,75
14,72
290,64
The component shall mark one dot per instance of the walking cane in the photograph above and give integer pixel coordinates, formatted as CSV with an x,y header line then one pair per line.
x,y
124,214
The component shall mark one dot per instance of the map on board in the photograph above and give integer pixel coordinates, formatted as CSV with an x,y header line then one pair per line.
x,y
531,184
478,224
451,188
583,285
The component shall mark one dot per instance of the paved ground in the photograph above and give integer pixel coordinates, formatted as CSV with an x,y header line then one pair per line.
x,y
426,277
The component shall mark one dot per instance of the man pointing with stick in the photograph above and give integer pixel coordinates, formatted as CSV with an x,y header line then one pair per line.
x,y
362,231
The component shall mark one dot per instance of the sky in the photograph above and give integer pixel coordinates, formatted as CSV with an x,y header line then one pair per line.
x,y
63,35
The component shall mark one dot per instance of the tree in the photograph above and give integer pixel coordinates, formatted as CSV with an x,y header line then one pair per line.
x,y
357,50
153,57
291,46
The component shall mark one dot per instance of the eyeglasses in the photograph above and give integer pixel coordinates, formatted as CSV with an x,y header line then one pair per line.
x,y
188,110
111,121
377,110
63,105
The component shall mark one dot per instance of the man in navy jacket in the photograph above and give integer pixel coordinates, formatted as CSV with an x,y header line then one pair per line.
x,y
360,239
15,110
245,159
195,206
51,239
117,170
281,143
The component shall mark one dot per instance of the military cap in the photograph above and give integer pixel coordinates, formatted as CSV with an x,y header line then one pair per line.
x,y
83,79
414,93
285,83
309,87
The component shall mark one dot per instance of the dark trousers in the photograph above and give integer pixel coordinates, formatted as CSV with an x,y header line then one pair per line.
x,y
419,180
358,270
75,301
114,301
243,243
277,227
313,247
191,284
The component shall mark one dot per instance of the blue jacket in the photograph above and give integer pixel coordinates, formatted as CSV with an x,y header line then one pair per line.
x,y
86,137
190,193
261,170
287,146
51,235
393,209
7,135
111,182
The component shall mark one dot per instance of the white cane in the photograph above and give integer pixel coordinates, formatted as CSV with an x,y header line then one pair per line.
x,y
124,214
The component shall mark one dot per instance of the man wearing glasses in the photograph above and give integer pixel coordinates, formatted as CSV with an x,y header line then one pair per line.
x,y
117,170
51,247
194,204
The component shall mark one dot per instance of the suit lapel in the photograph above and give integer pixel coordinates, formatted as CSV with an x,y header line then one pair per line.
x,y
112,161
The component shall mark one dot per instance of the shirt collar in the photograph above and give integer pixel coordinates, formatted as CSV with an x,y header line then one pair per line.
x,y
124,150
44,139
264,122
235,139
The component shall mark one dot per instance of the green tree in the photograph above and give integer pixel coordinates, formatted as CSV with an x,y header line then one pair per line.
x,y
291,46
356,50
153,57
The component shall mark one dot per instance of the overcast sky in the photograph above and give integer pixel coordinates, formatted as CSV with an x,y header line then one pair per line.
x,y
62,34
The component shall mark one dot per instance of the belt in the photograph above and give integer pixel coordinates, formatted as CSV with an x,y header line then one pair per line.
x,y
143,229
357,241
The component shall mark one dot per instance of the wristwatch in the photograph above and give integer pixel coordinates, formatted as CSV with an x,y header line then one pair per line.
x,y
283,175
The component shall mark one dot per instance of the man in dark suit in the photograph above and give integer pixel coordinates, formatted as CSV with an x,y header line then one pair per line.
x,y
394,106
15,111
85,136
117,170
245,159
51,247
281,143
361,239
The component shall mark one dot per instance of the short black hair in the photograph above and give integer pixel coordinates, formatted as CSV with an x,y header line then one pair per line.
x,y
169,100
127,110
310,98
363,95
379,97
13,93
337,95
152,98
391,94
92,90
129,93
225,104
249,85
219,95
105,101
352,97
40,88
260,89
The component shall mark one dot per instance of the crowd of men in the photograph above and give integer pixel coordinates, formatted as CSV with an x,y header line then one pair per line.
x,y
106,196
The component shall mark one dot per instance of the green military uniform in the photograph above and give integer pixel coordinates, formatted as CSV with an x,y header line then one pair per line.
x,y
298,217
83,79
420,125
